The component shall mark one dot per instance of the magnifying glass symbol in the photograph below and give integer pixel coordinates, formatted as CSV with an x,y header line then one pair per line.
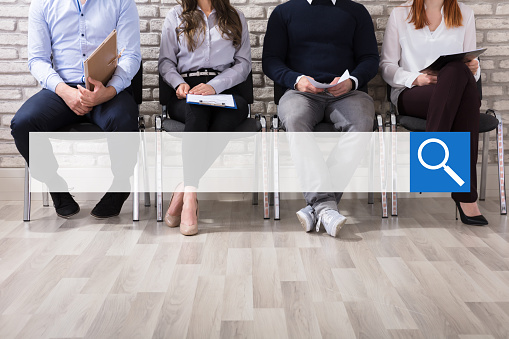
x,y
443,165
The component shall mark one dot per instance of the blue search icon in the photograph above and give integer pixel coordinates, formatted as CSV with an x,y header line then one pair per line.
x,y
443,165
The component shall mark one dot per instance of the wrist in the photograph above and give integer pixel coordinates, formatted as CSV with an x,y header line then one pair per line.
x,y
62,88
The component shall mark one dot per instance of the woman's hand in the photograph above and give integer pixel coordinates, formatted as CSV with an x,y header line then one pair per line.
x,y
182,90
424,80
202,89
473,65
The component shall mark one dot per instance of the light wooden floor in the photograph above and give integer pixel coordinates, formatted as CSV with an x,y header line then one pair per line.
x,y
421,275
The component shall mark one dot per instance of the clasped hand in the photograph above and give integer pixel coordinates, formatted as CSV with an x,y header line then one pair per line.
x,y
305,86
202,89
428,79
80,100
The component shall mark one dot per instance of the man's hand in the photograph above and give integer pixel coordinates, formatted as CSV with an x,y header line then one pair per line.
x,y
425,79
182,90
473,65
71,98
202,89
305,86
99,95
341,88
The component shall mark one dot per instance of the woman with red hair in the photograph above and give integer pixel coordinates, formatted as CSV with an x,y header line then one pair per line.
x,y
417,33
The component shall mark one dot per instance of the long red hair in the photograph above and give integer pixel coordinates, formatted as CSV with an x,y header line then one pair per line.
x,y
452,14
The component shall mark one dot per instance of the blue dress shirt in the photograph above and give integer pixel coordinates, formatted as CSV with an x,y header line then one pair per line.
x,y
63,33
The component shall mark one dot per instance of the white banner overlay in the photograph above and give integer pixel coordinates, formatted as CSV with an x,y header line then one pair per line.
x,y
220,162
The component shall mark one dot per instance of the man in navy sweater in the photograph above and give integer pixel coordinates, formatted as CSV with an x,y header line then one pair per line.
x,y
321,39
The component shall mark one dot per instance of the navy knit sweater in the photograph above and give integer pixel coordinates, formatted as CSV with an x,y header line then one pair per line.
x,y
321,40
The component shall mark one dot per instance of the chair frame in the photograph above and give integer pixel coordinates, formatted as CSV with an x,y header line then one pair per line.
x,y
165,91
137,94
276,126
392,115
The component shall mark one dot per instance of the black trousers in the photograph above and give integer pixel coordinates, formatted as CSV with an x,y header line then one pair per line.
x,y
47,112
198,118
450,105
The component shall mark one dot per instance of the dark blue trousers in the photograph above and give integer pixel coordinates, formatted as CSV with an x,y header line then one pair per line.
x,y
47,112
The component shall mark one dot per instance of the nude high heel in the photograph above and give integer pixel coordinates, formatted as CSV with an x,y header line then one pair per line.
x,y
190,229
172,220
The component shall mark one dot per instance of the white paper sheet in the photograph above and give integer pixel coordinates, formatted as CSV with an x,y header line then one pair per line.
x,y
223,100
317,84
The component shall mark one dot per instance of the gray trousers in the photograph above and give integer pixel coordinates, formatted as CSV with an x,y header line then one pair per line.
x,y
301,112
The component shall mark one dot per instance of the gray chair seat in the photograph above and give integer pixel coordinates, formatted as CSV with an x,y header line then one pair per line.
x,y
248,125
487,122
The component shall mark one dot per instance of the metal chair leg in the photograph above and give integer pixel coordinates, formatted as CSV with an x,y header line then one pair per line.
x,y
254,196
136,194
265,171
501,167
26,195
45,196
159,171
145,170
394,152
383,178
275,163
371,175
484,165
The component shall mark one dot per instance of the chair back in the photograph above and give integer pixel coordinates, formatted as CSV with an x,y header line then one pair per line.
x,y
137,85
245,89
278,92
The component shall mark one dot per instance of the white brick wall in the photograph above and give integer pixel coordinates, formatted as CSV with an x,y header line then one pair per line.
x,y
17,84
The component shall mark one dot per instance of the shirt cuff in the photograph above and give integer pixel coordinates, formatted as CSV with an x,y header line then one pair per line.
x,y
52,82
117,83
410,80
297,81
217,84
356,82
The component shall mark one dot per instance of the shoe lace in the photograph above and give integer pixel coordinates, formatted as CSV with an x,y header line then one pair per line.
x,y
324,219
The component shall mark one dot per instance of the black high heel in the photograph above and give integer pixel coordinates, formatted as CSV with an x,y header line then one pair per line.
x,y
477,220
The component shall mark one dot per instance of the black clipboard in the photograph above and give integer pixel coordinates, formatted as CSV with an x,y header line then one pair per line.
x,y
443,60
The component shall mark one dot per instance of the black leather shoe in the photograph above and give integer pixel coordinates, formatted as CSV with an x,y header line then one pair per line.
x,y
65,206
109,205
477,220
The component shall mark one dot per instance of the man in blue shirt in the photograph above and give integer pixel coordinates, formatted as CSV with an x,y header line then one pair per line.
x,y
61,35
321,39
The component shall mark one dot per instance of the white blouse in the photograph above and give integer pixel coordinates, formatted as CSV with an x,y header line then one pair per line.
x,y
406,50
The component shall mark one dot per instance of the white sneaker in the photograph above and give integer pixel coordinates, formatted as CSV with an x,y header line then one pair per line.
x,y
307,218
331,220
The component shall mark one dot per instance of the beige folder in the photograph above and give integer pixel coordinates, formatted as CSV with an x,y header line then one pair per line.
x,y
101,64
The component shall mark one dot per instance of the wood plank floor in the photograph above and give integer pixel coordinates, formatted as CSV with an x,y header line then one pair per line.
x,y
420,275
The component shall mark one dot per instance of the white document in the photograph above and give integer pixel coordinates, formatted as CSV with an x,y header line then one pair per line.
x,y
345,76
220,100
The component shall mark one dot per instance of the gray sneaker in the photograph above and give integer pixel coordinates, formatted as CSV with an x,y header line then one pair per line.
x,y
331,220
307,218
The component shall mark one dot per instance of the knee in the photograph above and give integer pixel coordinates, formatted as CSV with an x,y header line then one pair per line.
x,y
293,117
364,114
21,125
121,123
455,70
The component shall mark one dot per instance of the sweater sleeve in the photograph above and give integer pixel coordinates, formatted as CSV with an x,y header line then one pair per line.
x,y
275,46
365,49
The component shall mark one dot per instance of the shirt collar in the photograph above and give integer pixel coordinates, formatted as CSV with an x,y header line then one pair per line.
x,y
199,8
333,1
